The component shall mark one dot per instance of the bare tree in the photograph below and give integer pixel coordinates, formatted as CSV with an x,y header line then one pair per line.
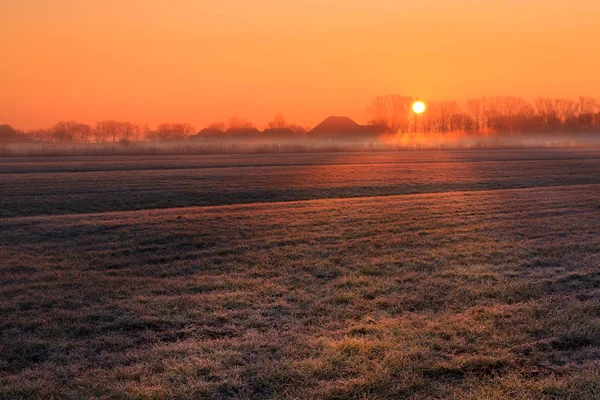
x,y
447,111
219,125
40,135
278,122
64,132
390,110
238,123
587,105
9,134
118,131
566,109
102,131
177,131
106,130
128,131
475,107
299,130
82,133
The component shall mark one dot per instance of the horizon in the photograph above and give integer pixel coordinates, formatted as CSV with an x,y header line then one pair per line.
x,y
368,119
300,199
198,63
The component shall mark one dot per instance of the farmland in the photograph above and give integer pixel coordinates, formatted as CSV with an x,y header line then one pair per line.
x,y
415,274
49,186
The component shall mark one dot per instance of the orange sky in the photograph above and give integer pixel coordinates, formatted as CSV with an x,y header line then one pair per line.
x,y
198,61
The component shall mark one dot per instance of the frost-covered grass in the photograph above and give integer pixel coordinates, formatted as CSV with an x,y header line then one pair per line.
x,y
490,293
47,186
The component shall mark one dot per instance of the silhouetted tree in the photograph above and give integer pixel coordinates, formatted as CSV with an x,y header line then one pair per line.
x,y
83,133
496,114
106,130
173,131
238,123
65,132
278,122
8,134
475,107
219,125
39,135
391,110
298,130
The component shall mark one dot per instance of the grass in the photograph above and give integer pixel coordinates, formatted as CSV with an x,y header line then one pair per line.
x,y
449,141
67,186
484,294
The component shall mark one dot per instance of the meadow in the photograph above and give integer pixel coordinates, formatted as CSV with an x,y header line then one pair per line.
x,y
48,186
411,274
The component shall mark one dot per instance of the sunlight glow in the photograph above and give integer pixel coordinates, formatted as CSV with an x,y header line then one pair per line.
x,y
418,107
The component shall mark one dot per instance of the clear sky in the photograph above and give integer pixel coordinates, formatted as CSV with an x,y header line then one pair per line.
x,y
198,61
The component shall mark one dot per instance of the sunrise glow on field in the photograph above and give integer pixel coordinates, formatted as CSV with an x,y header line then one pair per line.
x,y
276,199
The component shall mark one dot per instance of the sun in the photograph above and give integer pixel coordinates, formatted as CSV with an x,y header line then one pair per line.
x,y
418,107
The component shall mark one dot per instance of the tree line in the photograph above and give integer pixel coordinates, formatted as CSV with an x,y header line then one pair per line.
x,y
491,115
497,114
110,131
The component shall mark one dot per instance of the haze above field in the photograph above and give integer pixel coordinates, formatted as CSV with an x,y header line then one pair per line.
x,y
198,62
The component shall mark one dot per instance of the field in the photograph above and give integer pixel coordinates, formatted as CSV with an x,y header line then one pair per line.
x,y
385,275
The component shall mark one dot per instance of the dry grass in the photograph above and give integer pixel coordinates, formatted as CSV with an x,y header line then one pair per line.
x,y
80,185
407,142
463,295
